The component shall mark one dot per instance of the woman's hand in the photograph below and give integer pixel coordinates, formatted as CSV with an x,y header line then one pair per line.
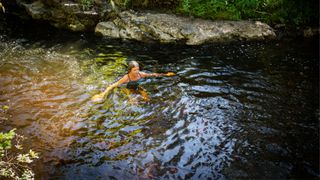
x,y
170,74
98,97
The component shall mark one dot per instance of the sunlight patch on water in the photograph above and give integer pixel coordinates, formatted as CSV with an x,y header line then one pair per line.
x,y
199,124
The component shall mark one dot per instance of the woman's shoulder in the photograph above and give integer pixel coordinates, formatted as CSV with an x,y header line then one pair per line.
x,y
124,79
143,74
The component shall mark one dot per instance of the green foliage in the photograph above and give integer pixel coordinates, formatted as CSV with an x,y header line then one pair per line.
x,y
149,4
271,11
27,158
215,9
5,141
86,4
127,3
120,4
14,165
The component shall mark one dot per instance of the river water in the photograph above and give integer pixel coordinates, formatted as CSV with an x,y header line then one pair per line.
x,y
234,110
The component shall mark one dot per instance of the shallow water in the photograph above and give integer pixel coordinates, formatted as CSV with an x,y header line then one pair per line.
x,y
240,110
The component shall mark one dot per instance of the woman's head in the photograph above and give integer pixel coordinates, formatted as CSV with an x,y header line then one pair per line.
x,y
133,65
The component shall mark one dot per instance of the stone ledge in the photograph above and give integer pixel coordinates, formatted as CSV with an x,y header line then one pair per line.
x,y
166,28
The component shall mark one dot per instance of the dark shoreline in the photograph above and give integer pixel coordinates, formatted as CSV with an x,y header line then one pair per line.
x,y
11,24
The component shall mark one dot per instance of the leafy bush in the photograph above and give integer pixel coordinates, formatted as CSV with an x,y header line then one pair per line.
x,y
14,165
271,11
86,4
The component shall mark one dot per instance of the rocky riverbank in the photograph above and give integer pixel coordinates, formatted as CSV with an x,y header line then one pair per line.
x,y
145,26
168,28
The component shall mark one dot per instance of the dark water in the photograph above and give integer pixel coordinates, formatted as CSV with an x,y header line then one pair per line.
x,y
240,110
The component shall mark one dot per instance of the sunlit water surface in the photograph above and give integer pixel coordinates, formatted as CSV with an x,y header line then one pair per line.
x,y
241,110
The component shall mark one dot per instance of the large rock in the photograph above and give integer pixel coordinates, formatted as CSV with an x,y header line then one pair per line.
x,y
64,14
166,28
145,27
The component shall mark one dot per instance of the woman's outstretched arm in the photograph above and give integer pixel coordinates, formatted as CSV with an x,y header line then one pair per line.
x,y
100,96
143,74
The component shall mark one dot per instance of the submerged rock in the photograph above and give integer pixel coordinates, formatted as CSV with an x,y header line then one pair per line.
x,y
166,28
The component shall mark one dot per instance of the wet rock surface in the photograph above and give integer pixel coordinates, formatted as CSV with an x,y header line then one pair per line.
x,y
168,28
65,14
144,26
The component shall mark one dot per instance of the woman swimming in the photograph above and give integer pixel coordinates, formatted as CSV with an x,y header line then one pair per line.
x,y
132,79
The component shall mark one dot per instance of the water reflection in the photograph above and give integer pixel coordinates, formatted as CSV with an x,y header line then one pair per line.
x,y
227,114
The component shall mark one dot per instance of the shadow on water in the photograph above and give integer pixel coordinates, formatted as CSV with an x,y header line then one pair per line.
x,y
241,110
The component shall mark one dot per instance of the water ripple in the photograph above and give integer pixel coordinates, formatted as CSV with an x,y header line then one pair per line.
x,y
218,118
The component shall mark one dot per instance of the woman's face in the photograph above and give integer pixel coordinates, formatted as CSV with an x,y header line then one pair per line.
x,y
135,70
